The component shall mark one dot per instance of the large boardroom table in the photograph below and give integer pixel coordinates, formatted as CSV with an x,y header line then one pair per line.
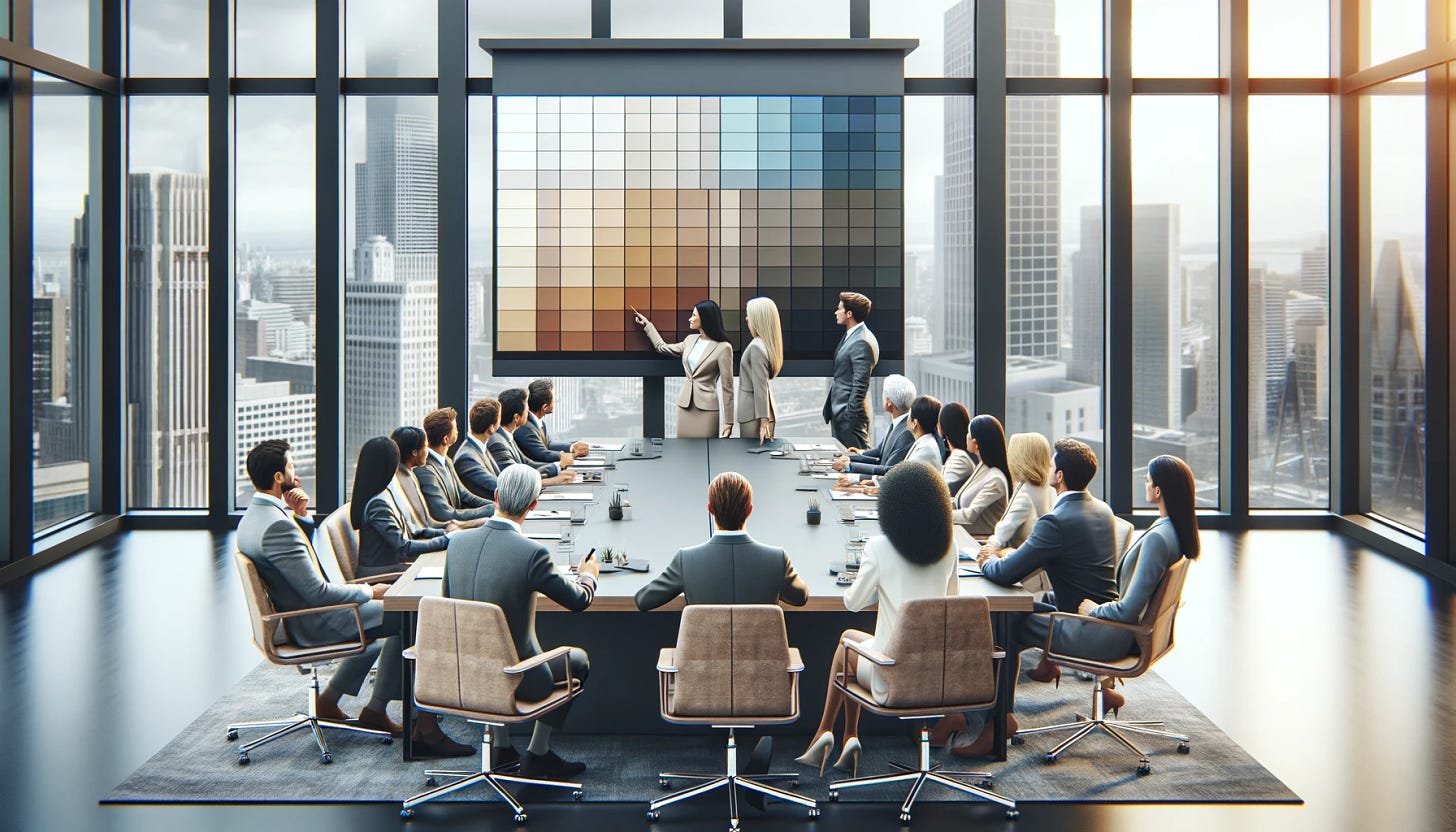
x,y
668,497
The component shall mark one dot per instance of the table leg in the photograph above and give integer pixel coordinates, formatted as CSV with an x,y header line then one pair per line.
x,y
1005,682
407,685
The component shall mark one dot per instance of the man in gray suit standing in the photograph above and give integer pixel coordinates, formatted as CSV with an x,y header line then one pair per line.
x,y
271,536
845,408
497,564
731,568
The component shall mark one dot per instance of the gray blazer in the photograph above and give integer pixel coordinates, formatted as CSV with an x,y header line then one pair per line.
x,y
502,445
289,567
701,390
499,565
893,447
535,444
1138,575
755,395
446,498
477,468
728,569
1075,543
854,361
384,543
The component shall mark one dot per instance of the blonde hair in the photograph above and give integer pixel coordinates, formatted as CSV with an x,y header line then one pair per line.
x,y
1029,456
763,316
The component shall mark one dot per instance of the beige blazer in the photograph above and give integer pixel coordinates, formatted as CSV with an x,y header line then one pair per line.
x,y
755,399
701,391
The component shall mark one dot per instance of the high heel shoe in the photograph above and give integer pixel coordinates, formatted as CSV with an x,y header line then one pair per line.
x,y
1111,699
1046,672
849,758
818,752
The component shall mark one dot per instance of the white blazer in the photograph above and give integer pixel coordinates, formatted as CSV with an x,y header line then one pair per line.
x,y
926,449
981,501
1028,503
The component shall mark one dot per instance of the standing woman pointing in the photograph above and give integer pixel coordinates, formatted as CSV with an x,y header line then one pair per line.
x,y
762,359
707,359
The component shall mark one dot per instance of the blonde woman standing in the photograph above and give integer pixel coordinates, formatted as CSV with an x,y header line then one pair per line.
x,y
762,360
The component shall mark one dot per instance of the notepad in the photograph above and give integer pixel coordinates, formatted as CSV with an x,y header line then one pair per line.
x,y
834,477
605,446
544,536
589,462
810,446
866,514
431,573
559,496
970,572
549,514
837,494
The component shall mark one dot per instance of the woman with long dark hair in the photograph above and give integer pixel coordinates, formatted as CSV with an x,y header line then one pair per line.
x,y
914,558
980,503
954,427
385,541
707,359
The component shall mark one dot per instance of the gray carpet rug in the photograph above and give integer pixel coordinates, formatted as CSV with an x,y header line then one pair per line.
x,y
199,765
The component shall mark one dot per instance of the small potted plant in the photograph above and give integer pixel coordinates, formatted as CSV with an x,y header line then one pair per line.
x,y
812,515
609,556
614,508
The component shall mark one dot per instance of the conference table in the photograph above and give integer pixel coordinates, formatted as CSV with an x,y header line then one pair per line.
x,y
665,486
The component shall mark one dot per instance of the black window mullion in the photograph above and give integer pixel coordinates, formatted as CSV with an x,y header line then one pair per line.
x,y
453,229
219,267
1233,242
989,212
328,249
1117,462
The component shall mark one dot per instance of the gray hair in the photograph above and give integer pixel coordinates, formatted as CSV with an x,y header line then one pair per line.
x,y
517,488
899,391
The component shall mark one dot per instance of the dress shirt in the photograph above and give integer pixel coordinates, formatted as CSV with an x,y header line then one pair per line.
x,y
699,350
501,518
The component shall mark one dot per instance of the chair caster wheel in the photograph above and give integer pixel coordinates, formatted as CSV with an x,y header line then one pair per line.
x,y
232,735
576,795
243,758
662,783
386,740
833,796
904,817
431,782
653,815
326,758
1144,768
988,783
1049,758
406,814
1183,748
1013,814
1017,739
813,813
520,817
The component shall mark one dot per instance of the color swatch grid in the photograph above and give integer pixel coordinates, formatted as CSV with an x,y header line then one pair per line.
x,y
656,202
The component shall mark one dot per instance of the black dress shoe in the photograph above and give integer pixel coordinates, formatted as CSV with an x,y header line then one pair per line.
x,y
758,763
442,747
505,759
550,766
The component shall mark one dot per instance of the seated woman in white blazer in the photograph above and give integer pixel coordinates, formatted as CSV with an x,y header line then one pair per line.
x,y
924,414
980,503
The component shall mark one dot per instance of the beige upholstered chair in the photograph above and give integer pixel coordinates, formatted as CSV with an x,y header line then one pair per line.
x,y
732,668
1153,638
338,539
271,637
941,660
412,507
466,666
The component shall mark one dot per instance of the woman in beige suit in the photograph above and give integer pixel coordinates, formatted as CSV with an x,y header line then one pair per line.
x,y
762,359
707,359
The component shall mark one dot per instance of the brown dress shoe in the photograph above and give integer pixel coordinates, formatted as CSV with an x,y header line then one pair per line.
x,y
380,721
440,746
333,712
982,745
941,731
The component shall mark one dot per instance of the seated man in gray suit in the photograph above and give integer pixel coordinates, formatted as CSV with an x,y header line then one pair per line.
x,y
731,568
531,437
502,444
446,498
271,537
1076,543
895,444
845,408
473,460
497,564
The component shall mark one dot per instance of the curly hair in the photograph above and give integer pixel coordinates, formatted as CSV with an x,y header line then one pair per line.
x,y
915,512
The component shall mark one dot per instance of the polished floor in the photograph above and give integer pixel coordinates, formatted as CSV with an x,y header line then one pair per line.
x,y
1332,665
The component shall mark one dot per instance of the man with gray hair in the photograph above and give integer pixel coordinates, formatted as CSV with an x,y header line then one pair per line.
x,y
895,444
498,564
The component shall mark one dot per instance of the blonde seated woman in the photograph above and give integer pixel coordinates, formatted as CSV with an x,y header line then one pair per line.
x,y
1029,456
761,362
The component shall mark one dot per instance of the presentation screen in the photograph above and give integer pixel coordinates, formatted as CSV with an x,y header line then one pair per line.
x,y
605,203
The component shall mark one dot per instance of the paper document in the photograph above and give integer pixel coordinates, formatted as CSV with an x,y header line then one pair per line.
x,y
811,446
834,477
543,536
588,462
583,496
549,514
431,573
605,446
866,514
851,495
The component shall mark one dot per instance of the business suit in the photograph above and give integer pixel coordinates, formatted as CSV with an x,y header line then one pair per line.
x,y
502,445
269,536
893,447
385,545
1027,504
446,498
979,504
698,415
731,568
497,564
755,394
1139,572
925,449
958,469
477,468
535,445
845,408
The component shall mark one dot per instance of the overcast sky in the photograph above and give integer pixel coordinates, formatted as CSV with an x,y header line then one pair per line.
x,y
1175,149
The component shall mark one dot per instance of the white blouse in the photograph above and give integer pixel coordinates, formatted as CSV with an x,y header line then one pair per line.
x,y
700,349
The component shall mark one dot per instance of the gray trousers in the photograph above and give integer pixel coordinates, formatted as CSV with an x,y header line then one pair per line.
x,y
851,429
539,681
387,648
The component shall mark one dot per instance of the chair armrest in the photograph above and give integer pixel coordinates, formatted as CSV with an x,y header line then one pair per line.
x,y
553,653
998,653
796,661
1135,629
873,655
387,577
667,660
280,617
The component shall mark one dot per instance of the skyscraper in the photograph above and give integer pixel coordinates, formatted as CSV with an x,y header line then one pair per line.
x,y
166,365
1085,362
49,314
1397,391
1157,317
270,410
956,234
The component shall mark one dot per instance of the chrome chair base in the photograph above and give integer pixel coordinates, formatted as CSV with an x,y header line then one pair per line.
x,y
298,722
1083,728
732,781
928,773
486,775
